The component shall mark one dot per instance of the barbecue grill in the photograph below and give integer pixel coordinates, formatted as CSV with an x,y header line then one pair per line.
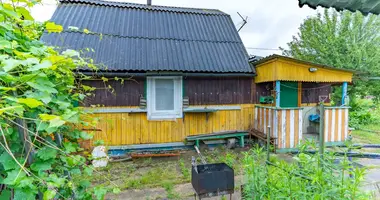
x,y
210,180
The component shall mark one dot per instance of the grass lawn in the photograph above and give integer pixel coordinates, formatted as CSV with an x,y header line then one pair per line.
x,y
367,137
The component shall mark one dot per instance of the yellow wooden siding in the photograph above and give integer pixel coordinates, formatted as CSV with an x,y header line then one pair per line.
x,y
285,70
134,128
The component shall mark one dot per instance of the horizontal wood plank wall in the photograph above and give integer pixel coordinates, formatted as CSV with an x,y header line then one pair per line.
x,y
115,93
219,90
336,124
134,128
286,125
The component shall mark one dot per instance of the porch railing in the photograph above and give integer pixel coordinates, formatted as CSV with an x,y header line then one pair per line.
x,y
286,124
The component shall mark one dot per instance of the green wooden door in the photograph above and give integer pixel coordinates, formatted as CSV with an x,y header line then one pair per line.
x,y
289,94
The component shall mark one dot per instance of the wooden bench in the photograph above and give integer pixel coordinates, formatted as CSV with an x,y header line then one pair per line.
x,y
262,136
220,135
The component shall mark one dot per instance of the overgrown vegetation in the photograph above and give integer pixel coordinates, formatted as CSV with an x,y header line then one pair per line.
x,y
39,124
309,177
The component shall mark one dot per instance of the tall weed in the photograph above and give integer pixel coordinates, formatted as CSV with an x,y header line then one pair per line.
x,y
310,176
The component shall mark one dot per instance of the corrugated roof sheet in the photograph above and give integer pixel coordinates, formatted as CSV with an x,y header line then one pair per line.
x,y
259,60
364,6
138,37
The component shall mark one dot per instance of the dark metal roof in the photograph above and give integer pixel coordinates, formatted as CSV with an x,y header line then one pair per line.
x,y
364,6
261,60
138,37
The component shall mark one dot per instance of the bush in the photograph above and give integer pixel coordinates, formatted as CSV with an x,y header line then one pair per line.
x,y
309,177
363,112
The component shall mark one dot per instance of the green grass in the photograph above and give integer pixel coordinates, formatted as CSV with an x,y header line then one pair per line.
x,y
367,137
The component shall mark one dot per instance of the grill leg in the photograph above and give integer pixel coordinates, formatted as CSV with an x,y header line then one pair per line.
x,y
195,196
230,196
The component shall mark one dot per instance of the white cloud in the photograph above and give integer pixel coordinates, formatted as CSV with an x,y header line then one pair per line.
x,y
271,23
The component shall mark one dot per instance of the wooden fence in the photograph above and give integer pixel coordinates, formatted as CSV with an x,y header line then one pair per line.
x,y
285,123
336,124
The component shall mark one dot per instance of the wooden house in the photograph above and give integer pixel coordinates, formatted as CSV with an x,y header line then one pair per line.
x,y
186,70
173,74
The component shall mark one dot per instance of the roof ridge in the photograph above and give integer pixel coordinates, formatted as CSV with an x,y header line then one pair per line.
x,y
205,11
148,38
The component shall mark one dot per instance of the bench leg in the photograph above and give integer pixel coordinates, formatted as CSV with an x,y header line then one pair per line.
x,y
197,143
242,141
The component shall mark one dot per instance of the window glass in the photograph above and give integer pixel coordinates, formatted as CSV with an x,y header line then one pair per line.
x,y
164,94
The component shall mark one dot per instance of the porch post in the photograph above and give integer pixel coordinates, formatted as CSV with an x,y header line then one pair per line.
x,y
344,93
278,86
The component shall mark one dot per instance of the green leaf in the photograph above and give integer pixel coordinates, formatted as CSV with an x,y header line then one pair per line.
x,y
51,27
14,176
4,44
7,12
71,116
55,181
43,96
47,117
49,194
30,102
25,194
70,147
116,190
56,122
41,166
44,65
85,183
26,182
8,162
5,194
9,64
43,88
2,110
85,136
25,13
46,153
88,171
100,192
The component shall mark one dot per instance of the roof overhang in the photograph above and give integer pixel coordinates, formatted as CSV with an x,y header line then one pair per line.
x,y
281,68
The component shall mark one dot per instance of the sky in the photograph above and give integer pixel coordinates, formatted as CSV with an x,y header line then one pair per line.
x,y
271,23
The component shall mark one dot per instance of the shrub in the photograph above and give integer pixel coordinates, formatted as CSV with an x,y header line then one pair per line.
x,y
309,177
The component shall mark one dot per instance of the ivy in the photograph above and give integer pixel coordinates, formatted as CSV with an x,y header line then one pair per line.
x,y
40,127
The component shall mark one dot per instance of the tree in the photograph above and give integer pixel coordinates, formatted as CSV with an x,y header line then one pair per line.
x,y
39,124
344,40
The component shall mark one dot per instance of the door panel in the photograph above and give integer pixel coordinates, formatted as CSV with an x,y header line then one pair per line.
x,y
289,94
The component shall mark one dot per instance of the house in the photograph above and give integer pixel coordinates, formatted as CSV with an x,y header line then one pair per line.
x,y
170,74
185,71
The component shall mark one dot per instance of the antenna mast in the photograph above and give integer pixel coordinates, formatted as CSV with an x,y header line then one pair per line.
x,y
244,21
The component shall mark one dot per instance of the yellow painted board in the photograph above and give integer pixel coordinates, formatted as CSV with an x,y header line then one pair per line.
x,y
286,70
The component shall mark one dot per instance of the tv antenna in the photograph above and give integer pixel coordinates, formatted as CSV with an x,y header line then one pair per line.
x,y
244,21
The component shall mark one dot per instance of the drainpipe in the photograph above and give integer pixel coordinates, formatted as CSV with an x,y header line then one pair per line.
x,y
344,93
278,89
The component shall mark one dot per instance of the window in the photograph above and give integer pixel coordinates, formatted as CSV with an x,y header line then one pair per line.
x,y
164,97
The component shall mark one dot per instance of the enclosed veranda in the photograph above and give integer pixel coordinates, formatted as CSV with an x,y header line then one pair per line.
x,y
290,91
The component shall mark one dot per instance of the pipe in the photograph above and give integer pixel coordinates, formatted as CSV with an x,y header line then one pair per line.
x,y
348,154
126,74
149,2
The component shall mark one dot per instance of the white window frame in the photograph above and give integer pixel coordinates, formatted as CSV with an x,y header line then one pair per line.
x,y
154,114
